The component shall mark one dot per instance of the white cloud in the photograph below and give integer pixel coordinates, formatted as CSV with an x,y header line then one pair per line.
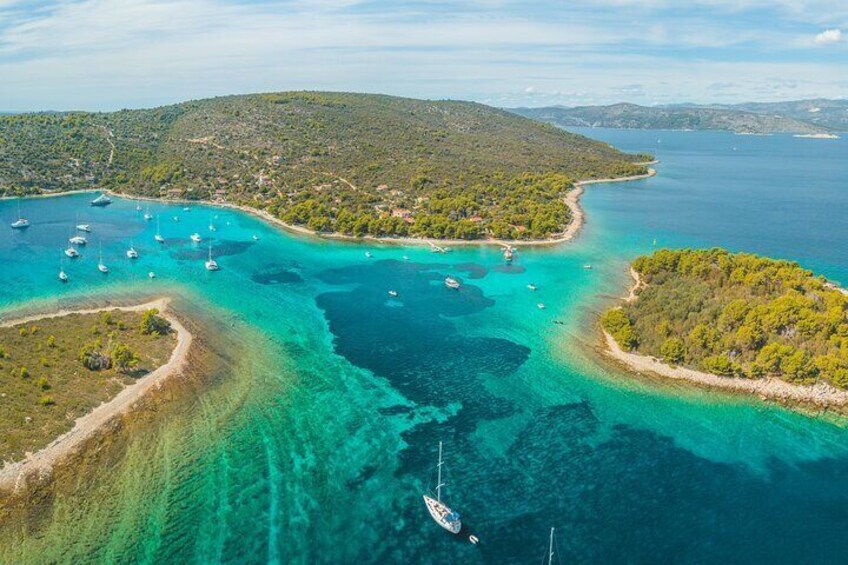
x,y
829,36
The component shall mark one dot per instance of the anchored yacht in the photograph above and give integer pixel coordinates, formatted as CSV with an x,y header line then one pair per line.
x,y
439,511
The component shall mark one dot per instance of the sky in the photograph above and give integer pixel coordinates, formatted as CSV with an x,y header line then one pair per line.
x,y
112,54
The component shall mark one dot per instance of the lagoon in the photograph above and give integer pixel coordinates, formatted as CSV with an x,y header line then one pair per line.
x,y
317,432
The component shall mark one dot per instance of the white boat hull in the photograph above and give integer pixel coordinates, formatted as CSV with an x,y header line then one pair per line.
x,y
443,515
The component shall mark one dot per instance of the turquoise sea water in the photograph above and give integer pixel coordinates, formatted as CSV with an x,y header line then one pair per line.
x,y
319,435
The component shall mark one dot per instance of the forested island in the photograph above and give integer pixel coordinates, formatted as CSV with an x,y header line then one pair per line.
x,y
354,164
735,315
803,117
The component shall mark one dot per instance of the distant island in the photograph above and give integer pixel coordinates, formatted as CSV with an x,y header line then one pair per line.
x,y
335,163
735,321
818,118
65,375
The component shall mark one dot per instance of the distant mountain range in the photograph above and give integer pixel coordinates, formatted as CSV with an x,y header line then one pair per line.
x,y
797,117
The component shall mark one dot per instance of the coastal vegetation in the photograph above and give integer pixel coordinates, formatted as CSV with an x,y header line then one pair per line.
x,y
54,370
354,164
736,315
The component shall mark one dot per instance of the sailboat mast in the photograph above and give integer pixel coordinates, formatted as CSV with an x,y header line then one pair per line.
x,y
551,548
439,480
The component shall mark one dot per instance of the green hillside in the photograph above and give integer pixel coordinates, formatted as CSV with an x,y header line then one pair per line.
x,y
736,315
350,163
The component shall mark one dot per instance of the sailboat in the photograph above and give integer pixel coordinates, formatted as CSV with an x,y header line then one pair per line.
x,y
158,237
439,511
21,222
147,215
211,264
131,252
211,225
100,265
137,205
62,276
195,237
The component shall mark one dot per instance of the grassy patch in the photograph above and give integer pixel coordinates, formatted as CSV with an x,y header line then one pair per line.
x,y
45,385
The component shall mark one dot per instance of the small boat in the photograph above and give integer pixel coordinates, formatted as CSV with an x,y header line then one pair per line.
x,y
473,539
508,255
452,283
132,253
158,237
212,227
531,286
84,227
195,237
62,276
72,253
439,511
368,255
138,205
21,222
176,218
186,209
151,275
101,201
147,215
255,237
100,265
406,257
78,240
393,293
587,267
211,264
540,306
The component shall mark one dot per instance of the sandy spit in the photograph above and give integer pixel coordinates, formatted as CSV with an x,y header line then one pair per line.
x,y
13,475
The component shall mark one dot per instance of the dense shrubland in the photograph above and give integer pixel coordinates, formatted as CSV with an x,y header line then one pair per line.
x,y
736,315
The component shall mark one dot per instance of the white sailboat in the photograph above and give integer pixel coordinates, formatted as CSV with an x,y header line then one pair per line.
x,y
101,266
71,252
131,252
83,227
439,511
158,237
195,237
21,222
62,276
211,264
77,240
147,215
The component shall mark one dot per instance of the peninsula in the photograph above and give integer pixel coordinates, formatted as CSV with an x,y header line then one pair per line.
x,y
66,374
331,163
737,322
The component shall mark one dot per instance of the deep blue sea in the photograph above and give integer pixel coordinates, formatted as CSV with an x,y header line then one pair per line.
x,y
319,432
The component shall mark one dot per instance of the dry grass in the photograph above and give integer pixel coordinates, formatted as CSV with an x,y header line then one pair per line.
x,y
44,387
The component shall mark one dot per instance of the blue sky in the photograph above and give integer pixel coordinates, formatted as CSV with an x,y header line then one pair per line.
x,y
109,54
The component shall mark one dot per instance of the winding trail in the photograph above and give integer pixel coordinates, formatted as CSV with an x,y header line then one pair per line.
x,y
13,475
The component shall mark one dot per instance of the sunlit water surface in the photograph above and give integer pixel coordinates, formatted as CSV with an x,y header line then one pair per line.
x,y
319,436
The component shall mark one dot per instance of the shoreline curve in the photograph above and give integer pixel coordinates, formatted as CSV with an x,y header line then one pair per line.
x,y
572,200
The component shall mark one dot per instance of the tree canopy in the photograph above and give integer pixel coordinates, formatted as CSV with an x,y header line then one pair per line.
x,y
736,315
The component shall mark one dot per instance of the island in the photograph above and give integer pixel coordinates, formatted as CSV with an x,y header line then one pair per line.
x,y
329,163
735,321
64,375
819,121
